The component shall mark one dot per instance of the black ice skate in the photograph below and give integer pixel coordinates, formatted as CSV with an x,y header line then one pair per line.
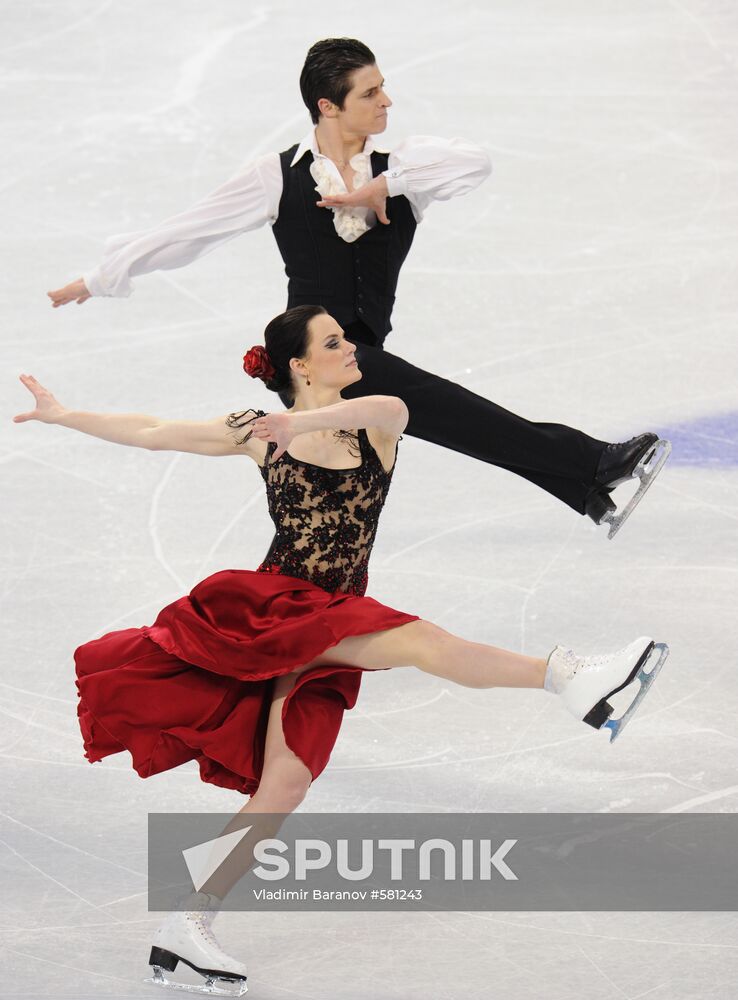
x,y
187,937
641,457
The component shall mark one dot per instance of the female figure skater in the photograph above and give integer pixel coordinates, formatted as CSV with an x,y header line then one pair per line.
x,y
251,672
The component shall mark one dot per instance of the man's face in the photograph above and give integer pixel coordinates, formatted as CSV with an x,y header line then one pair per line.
x,y
365,108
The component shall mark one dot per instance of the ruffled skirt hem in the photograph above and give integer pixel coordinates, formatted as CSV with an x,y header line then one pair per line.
x,y
198,683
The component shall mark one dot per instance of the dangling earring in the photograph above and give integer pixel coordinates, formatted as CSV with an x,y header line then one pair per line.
x,y
308,381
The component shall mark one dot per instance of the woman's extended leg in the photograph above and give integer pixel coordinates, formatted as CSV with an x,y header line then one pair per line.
x,y
585,683
433,650
283,785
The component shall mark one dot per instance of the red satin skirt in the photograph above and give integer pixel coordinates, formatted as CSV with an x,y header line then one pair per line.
x,y
197,684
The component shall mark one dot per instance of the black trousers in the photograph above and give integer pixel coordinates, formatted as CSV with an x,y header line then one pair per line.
x,y
559,459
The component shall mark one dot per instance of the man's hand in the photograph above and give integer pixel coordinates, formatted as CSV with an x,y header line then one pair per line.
x,y
75,292
373,195
275,427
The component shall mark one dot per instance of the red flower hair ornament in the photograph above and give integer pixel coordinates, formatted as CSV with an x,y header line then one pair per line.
x,y
256,363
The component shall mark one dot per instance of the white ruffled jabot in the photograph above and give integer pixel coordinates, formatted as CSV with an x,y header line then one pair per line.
x,y
350,220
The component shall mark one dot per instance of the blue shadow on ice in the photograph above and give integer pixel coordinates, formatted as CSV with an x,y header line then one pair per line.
x,y
709,440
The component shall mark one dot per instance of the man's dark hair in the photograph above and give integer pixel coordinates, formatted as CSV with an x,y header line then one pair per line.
x,y
327,71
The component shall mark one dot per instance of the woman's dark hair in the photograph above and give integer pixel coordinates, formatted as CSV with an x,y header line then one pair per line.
x,y
327,71
285,337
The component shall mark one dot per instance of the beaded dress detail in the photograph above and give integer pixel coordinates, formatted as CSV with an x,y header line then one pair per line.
x,y
325,519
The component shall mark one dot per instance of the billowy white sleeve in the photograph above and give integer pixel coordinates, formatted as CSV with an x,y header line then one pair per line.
x,y
248,200
425,168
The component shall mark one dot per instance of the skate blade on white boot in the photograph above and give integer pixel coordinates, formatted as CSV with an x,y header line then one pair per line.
x,y
186,936
646,470
599,715
163,960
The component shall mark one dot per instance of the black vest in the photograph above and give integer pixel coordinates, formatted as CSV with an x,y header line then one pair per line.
x,y
354,281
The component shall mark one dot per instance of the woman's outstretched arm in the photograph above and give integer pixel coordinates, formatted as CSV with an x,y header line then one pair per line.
x,y
138,430
388,414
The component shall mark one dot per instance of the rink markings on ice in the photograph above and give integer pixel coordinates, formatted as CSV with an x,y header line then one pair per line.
x,y
101,631
434,536
72,847
557,929
700,502
55,881
35,959
407,708
64,469
720,793
449,926
256,497
452,762
55,33
35,694
191,775
153,528
709,440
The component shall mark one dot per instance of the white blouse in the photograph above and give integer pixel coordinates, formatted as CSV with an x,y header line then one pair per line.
x,y
423,168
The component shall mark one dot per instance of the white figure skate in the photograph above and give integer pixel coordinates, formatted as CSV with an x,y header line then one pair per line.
x,y
586,682
187,937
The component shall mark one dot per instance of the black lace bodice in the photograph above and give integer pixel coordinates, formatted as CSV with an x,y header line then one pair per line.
x,y
325,519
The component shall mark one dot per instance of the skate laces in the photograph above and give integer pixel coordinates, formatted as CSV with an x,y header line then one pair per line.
x,y
201,912
202,919
561,666
570,662
566,663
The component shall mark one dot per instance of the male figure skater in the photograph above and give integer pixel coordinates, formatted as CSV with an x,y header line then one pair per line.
x,y
344,250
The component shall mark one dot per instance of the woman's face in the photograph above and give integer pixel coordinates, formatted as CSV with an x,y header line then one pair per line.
x,y
330,359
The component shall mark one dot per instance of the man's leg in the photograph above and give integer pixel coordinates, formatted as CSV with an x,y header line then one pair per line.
x,y
559,459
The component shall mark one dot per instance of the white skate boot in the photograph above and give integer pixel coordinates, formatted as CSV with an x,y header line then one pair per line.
x,y
187,937
586,682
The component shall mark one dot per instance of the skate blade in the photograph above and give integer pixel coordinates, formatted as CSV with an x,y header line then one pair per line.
x,y
209,987
646,677
646,470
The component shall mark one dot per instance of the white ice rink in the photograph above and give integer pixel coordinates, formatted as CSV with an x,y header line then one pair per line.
x,y
590,281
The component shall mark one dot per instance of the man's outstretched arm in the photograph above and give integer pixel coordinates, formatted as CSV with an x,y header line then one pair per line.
x,y
426,168
248,200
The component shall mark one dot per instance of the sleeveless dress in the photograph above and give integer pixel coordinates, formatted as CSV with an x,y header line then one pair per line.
x,y
197,684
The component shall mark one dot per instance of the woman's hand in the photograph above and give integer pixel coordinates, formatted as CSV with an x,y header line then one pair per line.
x,y
373,195
48,410
76,291
275,427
